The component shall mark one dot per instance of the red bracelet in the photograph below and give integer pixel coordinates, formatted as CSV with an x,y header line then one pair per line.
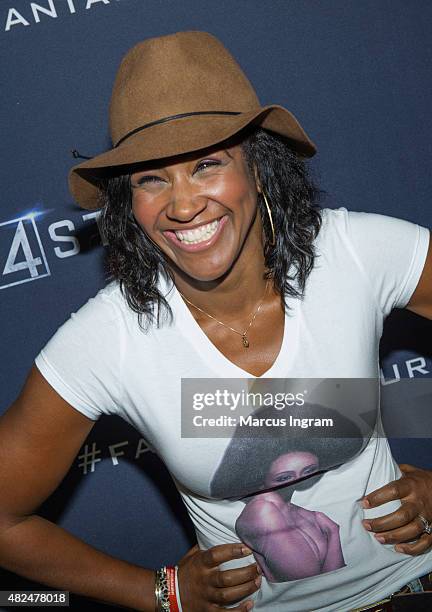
x,y
170,574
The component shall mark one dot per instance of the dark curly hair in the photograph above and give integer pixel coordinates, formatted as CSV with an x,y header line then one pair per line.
x,y
258,446
135,261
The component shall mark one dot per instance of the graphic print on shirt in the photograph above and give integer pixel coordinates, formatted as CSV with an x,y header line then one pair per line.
x,y
289,542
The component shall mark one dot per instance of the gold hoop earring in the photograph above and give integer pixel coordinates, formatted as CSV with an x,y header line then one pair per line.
x,y
273,240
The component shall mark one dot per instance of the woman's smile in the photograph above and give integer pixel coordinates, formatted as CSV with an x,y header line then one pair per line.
x,y
198,238
204,204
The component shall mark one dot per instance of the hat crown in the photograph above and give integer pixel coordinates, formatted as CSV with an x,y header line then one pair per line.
x,y
186,72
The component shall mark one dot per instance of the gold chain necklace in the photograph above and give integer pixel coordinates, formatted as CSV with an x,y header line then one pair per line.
x,y
243,335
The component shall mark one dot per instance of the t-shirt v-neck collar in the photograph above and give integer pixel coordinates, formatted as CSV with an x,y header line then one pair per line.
x,y
221,365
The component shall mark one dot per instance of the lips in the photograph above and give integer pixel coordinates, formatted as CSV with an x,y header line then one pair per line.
x,y
199,234
198,238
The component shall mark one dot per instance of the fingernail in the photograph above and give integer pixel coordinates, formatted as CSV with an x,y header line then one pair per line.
x,y
367,526
365,503
380,539
259,570
249,605
246,551
398,549
258,581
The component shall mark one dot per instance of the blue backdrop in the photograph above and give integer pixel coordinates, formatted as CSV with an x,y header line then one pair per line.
x,y
356,74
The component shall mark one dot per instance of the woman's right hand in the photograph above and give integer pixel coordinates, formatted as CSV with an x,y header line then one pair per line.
x,y
205,588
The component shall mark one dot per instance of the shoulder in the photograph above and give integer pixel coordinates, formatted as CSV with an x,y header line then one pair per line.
x,y
334,222
82,361
101,318
110,298
106,307
388,252
363,229
341,220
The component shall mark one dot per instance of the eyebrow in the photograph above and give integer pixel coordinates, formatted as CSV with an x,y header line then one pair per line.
x,y
155,168
311,465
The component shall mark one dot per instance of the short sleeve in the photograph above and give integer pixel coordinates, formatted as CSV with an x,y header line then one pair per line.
x,y
82,360
392,254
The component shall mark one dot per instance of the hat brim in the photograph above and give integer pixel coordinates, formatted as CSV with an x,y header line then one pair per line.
x,y
177,137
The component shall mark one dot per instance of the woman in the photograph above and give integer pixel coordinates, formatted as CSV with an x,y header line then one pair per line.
x,y
208,211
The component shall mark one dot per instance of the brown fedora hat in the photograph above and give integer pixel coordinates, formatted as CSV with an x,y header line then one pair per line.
x,y
173,95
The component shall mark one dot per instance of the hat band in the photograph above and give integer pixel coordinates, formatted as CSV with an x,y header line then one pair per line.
x,y
171,118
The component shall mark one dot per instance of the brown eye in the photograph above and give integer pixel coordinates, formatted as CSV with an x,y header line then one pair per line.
x,y
309,469
285,477
140,180
147,178
207,163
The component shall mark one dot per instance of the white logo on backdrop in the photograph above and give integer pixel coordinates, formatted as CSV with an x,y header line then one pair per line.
x,y
26,240
410,368
22,256
37,11
91,455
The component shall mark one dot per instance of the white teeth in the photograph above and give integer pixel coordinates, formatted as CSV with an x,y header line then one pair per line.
x,y
200,234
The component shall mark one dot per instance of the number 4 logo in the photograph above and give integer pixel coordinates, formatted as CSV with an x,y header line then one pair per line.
x,y
25,260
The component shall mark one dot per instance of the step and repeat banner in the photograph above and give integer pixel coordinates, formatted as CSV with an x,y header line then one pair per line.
x,y
356,74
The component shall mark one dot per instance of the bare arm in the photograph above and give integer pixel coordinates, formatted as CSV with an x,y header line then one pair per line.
x,y
334,558
40,435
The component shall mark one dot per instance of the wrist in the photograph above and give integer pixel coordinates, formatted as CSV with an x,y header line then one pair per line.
x,y
167,593
177,587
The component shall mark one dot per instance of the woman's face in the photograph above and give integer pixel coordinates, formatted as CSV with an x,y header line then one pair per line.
x,y
290,467
200,210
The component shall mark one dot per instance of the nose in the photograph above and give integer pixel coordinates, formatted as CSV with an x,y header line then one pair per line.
x,y
186,201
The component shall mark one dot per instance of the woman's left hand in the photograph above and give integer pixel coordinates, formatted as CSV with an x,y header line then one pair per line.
x,y
414,490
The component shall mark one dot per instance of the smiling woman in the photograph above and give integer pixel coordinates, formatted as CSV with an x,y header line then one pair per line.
x,y
193,205
223,188
223,266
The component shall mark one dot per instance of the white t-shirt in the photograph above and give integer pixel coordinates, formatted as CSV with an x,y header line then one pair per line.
x,y
102,363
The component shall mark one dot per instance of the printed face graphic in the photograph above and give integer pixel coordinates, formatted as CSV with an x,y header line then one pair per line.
x,y
290,467
288,541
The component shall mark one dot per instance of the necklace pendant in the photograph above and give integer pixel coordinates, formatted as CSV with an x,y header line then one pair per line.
x,y
245,341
